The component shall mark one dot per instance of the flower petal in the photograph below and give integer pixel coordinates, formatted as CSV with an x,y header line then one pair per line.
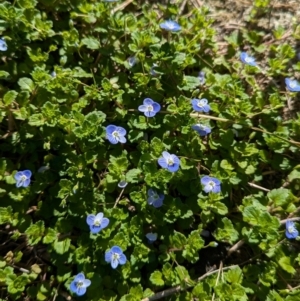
x,y
18,175
122,139
99,216
90,219
116,249
121,131
148,102
173,168
110,129
112,139
27,173
158,203
104,223
205,180
73,286
81,290
95,229
162,162
87,282
149,113
143,108
79,277
108,256
122,259
26,183
156,107
114,263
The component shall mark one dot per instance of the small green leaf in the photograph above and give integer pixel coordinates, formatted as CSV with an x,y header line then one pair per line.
x,y
91,43
156,278
286,264
9,97
26,84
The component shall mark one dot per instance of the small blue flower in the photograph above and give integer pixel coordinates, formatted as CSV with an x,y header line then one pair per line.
x,y
132,61
149,107
122,184
152,71
292,85
170,26
23,178
53,74
79,284
291,231
155,199
201,77
202,130
152,237
211,184
97,222
168,161
115,256
115,134
200,105
247,59
3,45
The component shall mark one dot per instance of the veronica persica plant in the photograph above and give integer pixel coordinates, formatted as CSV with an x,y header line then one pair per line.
x,y
292,85
3,45
23,178
201,77
247,59
170,25
79,285
169,161
97,222
211,184
115,134
155,199
115,257
200,105
149,107
291,232
201,129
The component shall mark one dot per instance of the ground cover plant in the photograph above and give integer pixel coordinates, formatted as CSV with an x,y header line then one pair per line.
x,y
141,159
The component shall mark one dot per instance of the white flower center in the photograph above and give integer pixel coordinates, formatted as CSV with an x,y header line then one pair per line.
x,y
291,229
115,256
97,222
248,59
23,178
211,184
171,25
170,161
115,134
200,104
293,84
150,108
79,284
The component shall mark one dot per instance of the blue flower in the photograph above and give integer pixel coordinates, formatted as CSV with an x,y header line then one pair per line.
x,y
201,77
149,107
155,199
202,130
53,74
3,45
115,256
247,59
168,161
23,178
152,237
115,134
97,222
79,284
291,231
132,61
122,184
211,184
170,26
292,85
200,105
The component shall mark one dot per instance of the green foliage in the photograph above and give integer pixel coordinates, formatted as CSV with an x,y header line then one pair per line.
x,y
58,121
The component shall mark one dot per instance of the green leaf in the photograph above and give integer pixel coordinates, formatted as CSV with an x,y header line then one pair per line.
x,y
226,231
156,278
279,197
9,97
133,175
26,84
35,232
6,215
286,264
50,236
4,74
61,247
91,43
234,275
